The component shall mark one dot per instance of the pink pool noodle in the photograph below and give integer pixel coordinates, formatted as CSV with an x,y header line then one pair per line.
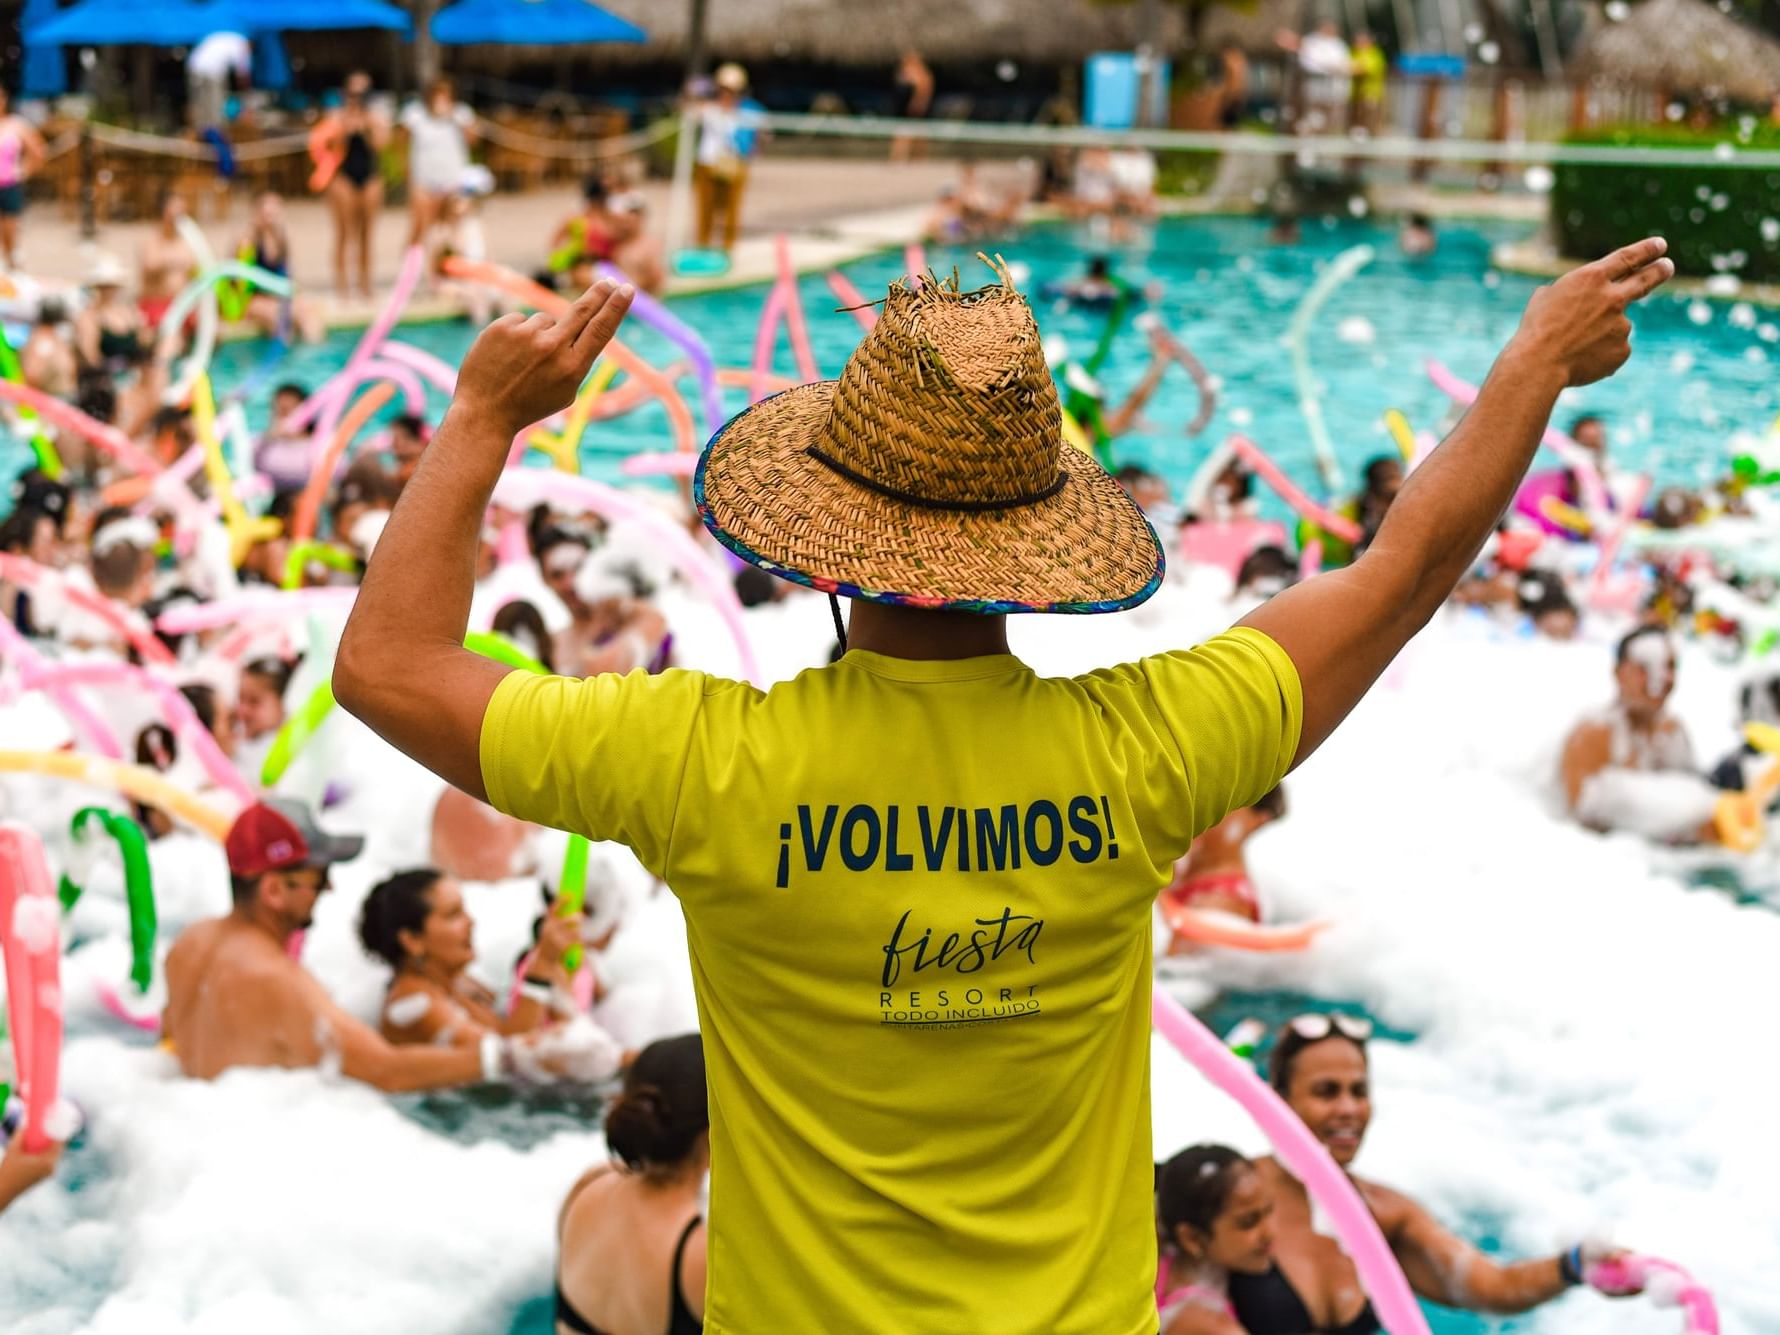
x,y
32,948
853,299
794,321
1302,1155
1324,518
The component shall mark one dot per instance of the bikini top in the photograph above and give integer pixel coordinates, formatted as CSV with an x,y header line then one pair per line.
x,y
681,1320
1269,1305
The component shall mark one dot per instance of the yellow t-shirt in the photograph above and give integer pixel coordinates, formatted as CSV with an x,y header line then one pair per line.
x,y
917,899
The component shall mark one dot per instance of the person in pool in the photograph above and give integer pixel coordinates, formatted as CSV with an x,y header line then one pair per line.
x,y
1319,1067
236,997
1216,1220
1213,874
919,882
416,923
1631,766
631,1239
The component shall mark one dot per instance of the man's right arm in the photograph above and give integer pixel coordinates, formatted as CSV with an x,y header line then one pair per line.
x,y
366,1055
1342,629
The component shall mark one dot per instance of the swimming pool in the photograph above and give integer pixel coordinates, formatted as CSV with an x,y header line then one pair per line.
x,y
1702,367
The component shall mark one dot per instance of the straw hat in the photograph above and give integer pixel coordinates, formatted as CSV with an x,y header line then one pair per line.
x,y
933,473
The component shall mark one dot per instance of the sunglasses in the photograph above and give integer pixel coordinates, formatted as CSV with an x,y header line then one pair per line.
x,y
1318,1025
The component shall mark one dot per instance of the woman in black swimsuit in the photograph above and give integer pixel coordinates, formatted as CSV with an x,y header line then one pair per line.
x,y
631,1238
1319,1066
355,193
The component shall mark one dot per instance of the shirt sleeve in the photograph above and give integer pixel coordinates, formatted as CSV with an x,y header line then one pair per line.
x,y
602,757
1231,708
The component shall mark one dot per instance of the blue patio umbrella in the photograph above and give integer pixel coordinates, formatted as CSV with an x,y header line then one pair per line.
x,y
271,66
46,72
530,22
133,22
329,15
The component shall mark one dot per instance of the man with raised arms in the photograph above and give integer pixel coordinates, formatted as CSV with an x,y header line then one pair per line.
x,y
883,1159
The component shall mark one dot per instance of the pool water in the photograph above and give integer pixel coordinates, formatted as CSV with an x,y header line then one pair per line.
x,y
1701,369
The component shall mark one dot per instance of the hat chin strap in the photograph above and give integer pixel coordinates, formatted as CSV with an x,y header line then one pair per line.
x,y
840,627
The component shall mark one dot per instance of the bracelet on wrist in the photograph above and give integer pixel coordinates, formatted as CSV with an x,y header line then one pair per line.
x,y
494,1058
1570,1266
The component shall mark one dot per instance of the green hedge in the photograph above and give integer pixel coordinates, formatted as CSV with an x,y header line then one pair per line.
x,y
1708,214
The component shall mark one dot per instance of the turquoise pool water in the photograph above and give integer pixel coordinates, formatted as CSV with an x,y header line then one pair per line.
x,y
1702,368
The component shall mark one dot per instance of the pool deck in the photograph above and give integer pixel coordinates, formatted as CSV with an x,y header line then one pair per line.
x,y
834,209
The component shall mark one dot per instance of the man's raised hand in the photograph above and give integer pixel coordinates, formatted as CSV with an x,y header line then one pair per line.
x,y
523,369
1578,324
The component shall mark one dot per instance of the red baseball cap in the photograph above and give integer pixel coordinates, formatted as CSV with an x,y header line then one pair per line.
x,y
278,834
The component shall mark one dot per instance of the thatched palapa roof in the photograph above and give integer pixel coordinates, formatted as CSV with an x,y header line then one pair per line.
x,y
875,32
1683,46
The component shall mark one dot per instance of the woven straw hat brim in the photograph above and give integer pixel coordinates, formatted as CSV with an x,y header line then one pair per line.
x,y
1086,549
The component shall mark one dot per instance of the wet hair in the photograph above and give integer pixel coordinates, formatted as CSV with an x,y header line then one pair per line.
x,y
1422,221
661,1111
396,905
36,489
275,672
1100,267
291,387
413,423
1272,802
593,189
1623,649
156,747
95,394
753,586
1289,1044
1194,1186
1265,561
1587,419
52,311
19,527
523,616
202,699
1377,466
118,567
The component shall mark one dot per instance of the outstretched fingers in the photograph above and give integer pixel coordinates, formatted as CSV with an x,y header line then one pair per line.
x,y
1641,282
603,317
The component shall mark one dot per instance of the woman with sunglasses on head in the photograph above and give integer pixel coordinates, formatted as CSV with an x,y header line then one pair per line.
x,y
1319,1066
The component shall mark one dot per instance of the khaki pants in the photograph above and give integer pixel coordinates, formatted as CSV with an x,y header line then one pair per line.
x,y
719,196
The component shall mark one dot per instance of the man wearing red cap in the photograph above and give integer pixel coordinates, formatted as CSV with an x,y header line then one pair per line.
x,y
235,997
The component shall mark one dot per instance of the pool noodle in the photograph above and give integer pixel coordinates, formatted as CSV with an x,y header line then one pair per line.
x,y
541,298
132,847
33,978
674,464
248,604
521,488
329,399
101,434
422,362
658,317
24,571
135,781
82,718
795,327
1575,458
1621,1273
1211,928
308,507
175,709
309,549
853,300
564,447
914,262
1343,267
1256,458
1304,1157
770,315
1615,538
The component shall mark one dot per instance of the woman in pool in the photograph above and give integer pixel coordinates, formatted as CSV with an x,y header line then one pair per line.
x,y
1214,874
1319,1067
416,923
1216,1221
259,702
631,1236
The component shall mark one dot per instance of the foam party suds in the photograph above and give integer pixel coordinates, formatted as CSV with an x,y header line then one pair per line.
x,y
1582,1011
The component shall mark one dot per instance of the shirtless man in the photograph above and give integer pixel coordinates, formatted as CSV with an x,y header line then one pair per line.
x,y
235,997
1631,766
167,263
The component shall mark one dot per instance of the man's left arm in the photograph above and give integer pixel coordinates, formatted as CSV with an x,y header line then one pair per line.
x,y
402,667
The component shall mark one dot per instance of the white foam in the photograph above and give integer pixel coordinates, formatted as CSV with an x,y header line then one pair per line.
x,y
1590,1029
